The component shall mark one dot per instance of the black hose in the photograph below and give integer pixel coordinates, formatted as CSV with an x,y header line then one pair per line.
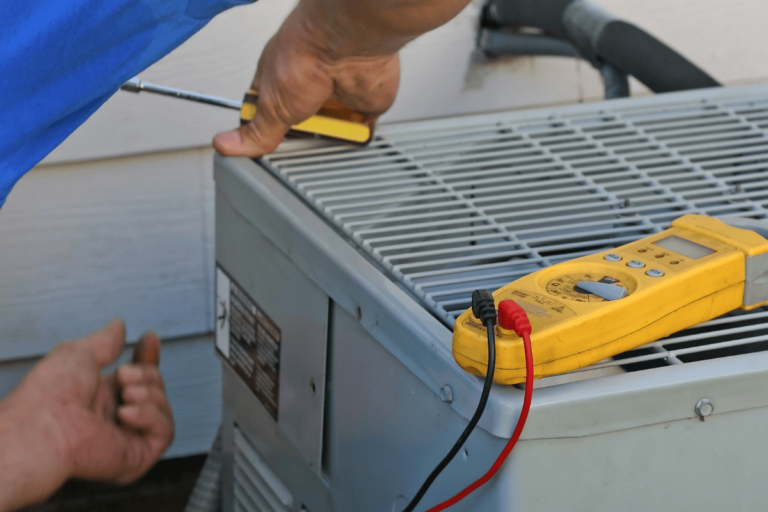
x,y
499,43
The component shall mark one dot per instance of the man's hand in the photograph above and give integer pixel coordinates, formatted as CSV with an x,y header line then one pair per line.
x,y
343,50
297,74
65,420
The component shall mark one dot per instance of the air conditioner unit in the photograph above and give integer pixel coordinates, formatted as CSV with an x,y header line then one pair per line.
x,y
340,271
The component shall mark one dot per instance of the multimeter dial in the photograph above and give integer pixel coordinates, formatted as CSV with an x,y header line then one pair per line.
x,y
567,287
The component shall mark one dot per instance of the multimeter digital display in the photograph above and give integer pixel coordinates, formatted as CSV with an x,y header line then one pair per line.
x,y
684,247
594,307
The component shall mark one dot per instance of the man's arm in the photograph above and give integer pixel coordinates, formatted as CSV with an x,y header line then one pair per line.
x,y
64,420
60,61
340,49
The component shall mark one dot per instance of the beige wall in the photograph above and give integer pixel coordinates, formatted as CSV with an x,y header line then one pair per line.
x,y
85,242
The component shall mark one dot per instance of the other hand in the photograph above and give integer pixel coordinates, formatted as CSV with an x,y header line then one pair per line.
x,y
69,421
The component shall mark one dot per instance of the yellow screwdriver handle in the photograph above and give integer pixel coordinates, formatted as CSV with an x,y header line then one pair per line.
x,y
333,121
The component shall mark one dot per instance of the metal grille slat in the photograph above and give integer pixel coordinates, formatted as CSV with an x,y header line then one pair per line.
x,y
444,205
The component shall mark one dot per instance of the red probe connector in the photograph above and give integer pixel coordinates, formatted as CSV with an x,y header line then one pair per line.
x,y
513,318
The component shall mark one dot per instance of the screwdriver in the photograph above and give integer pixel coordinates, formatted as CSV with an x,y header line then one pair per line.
x,y
333,121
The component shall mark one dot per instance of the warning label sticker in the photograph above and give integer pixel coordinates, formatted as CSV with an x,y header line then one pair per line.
x,y
249,340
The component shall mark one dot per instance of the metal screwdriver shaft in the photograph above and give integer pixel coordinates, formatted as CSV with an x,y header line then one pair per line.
x,y
135,84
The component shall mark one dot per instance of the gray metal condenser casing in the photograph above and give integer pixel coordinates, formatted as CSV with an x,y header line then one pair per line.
x,y
340,271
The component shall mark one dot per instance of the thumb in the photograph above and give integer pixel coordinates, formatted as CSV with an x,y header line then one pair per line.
x,y
257,138
106,344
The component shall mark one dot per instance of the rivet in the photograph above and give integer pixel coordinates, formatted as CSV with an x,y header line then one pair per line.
x,y
446,394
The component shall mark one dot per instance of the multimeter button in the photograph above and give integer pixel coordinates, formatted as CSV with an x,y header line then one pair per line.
x,y
612,257
603,290
635,264
654,272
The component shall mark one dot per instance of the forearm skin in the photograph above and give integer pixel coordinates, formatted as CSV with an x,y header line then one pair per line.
x,y
370,28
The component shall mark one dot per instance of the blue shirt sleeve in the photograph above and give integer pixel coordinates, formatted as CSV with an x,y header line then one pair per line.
x,y
61,60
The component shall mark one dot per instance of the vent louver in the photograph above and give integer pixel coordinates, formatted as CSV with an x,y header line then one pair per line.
x,y
257,488
448,206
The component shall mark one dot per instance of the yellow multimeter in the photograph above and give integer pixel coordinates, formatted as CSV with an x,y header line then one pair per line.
x,y
594,307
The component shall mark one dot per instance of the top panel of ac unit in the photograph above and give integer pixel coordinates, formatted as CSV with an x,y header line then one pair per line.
x,y
450,205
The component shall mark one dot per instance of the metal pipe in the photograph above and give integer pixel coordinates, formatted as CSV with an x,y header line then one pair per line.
x,y
615,82
136,85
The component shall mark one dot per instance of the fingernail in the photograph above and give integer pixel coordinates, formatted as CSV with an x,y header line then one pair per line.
x,y
146,351
227,140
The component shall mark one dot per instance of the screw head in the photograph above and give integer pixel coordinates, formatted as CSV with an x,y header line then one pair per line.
x,y
446,394
704,407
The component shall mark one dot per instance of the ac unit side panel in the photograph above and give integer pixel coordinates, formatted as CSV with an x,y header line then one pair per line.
x,y
285,314
286,464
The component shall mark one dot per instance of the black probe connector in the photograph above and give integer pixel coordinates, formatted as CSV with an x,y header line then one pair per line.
x,y
484,307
